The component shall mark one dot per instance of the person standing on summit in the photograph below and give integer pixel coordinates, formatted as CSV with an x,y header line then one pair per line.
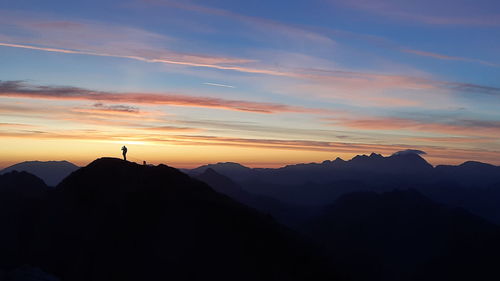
x,y
124,149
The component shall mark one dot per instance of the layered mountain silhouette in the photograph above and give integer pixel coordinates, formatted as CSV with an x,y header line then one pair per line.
x,y
369,218
117,220
51,172
403,235
287,214
474,186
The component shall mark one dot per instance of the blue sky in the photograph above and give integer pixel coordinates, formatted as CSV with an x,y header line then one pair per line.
x,y
307,80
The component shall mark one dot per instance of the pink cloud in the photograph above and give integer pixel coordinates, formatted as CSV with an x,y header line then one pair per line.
x,y
23,90
456,127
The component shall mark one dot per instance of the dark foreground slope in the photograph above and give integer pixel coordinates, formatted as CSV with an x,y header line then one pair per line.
x,y
19,194
402,235
116,220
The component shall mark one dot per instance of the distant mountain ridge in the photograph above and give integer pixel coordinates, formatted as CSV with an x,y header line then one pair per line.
x,y
360,167
51,172
471,185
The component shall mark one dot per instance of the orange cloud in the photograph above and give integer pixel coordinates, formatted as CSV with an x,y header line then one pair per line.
x,y
14,125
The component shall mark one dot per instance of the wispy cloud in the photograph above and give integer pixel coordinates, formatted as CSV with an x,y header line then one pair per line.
x,y
15,125
23,90
346,81
426,12
456,127
445,57
176,58
173,129
266,25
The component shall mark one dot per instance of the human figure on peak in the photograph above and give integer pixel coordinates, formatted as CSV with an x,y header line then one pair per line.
x,y
124,149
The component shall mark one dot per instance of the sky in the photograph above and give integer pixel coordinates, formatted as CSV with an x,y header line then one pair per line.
x,y
262,83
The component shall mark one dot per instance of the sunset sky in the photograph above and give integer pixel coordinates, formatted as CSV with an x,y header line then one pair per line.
x,y
262,83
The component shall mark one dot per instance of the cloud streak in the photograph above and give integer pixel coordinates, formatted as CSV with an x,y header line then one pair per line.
x,y
445,14
22,90
460,127
445,57
263,23
346,81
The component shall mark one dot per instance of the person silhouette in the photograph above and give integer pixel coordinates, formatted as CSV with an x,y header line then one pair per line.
x,y
124,149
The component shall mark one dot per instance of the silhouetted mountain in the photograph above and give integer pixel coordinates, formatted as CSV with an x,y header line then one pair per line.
x,y
229,169
221,183
397,164
471,173
471,185
287,214
117,220
51,172
21,183
19,193
402,235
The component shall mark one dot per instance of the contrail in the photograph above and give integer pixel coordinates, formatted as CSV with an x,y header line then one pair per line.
x,y
218,85
155,60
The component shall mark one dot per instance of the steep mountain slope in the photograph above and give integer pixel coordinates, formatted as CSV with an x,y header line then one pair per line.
x,y
51,172
19,193
117,220
402,235
287,214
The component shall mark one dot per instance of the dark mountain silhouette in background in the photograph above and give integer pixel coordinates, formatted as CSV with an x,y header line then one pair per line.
x,y
403,235
51,172
117,220
288,214
231,169
474,186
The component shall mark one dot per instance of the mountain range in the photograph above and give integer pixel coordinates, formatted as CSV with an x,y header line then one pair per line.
x,y
368,218
472,185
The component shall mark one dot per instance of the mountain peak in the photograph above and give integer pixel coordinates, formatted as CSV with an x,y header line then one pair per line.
x,y
136,222
475,164
115,173
375,155
51,172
